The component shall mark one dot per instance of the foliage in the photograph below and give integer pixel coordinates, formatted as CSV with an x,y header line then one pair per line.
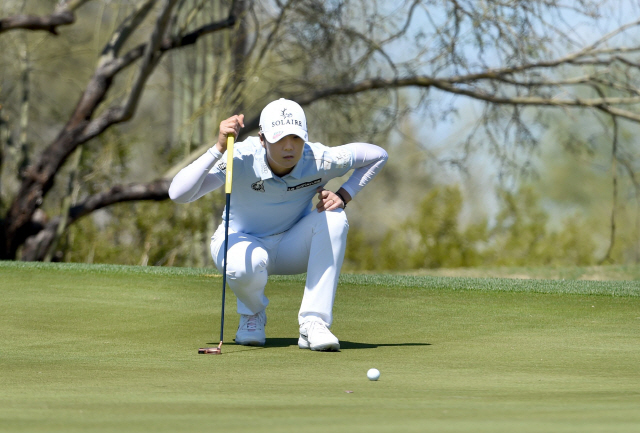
x,y
439,240
160,234
432,237
522,236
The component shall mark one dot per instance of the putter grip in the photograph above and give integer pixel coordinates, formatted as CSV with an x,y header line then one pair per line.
x,y
229,179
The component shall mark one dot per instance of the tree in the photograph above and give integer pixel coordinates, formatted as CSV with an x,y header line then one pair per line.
x,y
358,59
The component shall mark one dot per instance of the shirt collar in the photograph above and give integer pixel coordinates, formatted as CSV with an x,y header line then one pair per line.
x,y
263,166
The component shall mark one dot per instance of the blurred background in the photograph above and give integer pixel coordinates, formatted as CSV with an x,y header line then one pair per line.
x,y
510,126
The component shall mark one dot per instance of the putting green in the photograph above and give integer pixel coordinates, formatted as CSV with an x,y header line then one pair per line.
x,y
107,348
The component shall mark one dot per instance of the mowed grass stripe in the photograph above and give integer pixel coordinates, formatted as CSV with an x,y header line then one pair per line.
x,y
618,287
115,350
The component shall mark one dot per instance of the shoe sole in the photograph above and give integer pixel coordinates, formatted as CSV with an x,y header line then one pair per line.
x,y
250,343
327,348
303,343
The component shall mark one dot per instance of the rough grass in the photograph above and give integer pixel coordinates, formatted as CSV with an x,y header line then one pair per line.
x,y
113,348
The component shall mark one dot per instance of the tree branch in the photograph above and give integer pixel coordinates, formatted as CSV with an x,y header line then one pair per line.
x,y
48,23
116,115
117,64
39,178
452,85
63,16
150,60
125,30
156,190
37,246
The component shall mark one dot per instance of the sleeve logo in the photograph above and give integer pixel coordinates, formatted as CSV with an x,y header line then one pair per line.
x,y
342,159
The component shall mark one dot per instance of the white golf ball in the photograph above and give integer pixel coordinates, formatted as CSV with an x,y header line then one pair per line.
x,y
373,374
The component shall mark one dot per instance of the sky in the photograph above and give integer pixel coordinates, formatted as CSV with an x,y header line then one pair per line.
x,y
440,137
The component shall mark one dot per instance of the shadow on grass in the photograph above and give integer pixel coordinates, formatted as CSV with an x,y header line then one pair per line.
x,y
344,345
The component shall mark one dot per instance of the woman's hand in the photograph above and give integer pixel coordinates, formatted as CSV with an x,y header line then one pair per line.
x,y
231,125
329,200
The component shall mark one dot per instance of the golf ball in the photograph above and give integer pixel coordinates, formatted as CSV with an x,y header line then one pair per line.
x,y
373,374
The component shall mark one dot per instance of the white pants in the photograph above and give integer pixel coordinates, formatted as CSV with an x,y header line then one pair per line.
x,y
315,245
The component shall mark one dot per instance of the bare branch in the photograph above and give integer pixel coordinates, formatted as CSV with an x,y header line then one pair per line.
x,y
620,113
109,69
451,86
62,16
37,246
125,30
156,190
39,178
592,48
49,23
151,58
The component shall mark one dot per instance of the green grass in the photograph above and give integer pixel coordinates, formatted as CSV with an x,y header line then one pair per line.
x,y
598,273
114,348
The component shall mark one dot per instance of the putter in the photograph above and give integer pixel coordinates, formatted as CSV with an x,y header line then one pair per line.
x,y
227,190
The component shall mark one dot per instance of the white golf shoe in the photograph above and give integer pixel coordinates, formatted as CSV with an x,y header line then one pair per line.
x,y
315,335
251,329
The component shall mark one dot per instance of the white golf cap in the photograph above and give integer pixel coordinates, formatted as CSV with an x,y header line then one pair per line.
x,y
281,118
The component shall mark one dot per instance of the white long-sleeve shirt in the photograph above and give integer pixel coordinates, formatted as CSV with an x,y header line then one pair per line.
x,y
263,204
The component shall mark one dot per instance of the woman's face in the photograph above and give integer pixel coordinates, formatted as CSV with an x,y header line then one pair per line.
x,y
284,154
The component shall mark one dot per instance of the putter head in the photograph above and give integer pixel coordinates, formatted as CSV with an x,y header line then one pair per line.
x,y
210,351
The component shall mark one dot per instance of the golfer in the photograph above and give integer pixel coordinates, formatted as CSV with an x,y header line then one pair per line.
x,y
273,227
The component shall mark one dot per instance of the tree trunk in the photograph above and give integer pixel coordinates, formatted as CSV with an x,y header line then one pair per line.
x,y
23,138
67,203
5,135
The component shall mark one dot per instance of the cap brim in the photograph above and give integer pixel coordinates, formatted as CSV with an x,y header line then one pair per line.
x,y
278,133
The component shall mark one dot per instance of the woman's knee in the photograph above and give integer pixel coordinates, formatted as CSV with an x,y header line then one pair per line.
x,y
338,223
247,271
